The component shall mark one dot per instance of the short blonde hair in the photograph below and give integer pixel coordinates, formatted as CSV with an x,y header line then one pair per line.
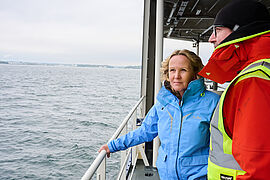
x,y
195,62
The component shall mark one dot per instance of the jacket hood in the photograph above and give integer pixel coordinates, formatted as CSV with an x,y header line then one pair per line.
x,y
194,87
230,57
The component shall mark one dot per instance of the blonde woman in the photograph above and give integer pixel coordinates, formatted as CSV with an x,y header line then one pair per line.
x,y
180,118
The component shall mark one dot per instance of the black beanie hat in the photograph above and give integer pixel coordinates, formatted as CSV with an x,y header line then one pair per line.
x,y
240,13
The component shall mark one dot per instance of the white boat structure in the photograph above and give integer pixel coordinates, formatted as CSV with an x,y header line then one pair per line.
x,y
189,20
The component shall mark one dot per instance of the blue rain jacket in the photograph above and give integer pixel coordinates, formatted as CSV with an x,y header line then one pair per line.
x,y
183,129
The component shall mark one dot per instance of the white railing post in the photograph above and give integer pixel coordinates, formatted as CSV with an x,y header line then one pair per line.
x,y
123,155
159,57
142,108
101,171
134,149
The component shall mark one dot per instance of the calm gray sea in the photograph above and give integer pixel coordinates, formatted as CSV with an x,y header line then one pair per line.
x,y
53,119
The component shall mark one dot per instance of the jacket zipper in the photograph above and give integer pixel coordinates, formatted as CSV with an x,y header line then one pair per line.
x,y
180,105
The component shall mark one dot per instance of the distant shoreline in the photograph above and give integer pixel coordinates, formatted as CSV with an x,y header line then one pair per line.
x,y
72,65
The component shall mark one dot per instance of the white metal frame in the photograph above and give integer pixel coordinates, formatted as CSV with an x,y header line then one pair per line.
x,y
158,60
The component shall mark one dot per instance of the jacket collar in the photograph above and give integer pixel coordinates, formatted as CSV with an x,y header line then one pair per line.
x,y
231,57
195,88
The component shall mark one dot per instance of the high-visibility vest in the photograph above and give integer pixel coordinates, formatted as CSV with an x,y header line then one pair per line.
x,y
221,163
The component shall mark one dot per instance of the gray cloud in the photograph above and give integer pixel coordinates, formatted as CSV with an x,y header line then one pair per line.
x,y
75,31
70,31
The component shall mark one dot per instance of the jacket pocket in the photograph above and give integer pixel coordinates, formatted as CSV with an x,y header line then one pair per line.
x,y
194,160
194,167
161,163
162,155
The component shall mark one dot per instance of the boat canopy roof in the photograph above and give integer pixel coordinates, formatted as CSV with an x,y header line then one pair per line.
x,y
192,19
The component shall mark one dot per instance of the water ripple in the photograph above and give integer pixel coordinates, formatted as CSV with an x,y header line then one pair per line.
x,y
54,119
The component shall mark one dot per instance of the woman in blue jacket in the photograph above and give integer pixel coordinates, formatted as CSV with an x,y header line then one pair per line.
x,y
180,118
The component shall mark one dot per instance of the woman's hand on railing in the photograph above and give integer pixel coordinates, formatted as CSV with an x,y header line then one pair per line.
x,y
106,148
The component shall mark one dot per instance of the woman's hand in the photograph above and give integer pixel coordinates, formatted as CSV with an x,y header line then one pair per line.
x,y
106,148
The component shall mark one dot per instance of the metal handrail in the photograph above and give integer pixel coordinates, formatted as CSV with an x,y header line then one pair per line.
x,y
121,127
100,157
92,169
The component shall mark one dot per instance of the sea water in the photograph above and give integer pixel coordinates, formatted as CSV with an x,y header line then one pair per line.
x,y
53,119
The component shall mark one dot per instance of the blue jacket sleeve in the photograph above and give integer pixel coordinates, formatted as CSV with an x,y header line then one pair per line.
x,y
145,133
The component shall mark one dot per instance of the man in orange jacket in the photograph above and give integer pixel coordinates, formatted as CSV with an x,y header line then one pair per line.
x,y
240,145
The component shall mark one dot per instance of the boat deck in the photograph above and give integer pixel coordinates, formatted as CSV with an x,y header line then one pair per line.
x,y
145,172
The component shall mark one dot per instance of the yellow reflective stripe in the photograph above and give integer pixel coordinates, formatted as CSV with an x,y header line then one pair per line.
x,y
257,74
261,60
227,142
214,171
241,39
258,61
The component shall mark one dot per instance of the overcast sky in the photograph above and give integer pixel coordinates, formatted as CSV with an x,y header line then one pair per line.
x,y
75,31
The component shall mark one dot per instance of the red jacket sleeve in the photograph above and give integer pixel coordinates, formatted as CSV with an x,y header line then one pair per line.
x,y
247,121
